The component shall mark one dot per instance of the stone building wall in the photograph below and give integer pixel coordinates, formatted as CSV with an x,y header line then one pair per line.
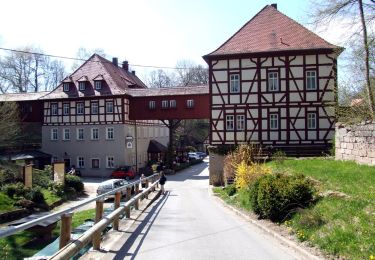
x,y
356,142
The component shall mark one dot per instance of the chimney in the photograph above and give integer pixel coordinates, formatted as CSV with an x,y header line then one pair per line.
x,y
274,6
125,65
115,61
133,72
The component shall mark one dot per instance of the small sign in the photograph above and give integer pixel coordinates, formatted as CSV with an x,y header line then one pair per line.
x,y
129,145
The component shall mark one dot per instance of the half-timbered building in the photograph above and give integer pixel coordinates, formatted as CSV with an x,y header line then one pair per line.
x,y
273,83
86,119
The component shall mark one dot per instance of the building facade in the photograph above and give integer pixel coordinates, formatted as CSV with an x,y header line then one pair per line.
x,y
273,83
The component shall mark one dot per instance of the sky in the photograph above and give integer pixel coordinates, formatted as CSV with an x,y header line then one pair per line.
x,y
144,32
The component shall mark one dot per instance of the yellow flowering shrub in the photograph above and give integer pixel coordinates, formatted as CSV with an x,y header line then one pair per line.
x,y
246,174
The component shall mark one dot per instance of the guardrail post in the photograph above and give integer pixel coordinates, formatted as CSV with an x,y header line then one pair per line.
x,y
116,206
136,189
127,211
128,193
65,229
147,183
96,238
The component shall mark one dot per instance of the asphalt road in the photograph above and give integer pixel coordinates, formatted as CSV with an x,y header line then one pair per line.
x,y
188,223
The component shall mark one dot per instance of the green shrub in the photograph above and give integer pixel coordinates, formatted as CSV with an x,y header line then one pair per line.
x,y
43,178
34,194
230,189
57,188
15,189
7,176
279,157
74,182
276,196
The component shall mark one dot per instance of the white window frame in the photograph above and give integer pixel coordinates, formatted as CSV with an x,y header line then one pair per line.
x,y
92,159
152,104
66,86
66,109
274,121
164,104
110,164
94,108
311,120
109,106
78,134
172,103
54,109
98,84
82,85
66,134
311,80
190,103
93,136
80,162
234,83
109,133
273,81
229,122
54,134
80,110
240,122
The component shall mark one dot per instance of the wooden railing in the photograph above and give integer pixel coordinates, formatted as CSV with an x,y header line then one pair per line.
x,y
69,248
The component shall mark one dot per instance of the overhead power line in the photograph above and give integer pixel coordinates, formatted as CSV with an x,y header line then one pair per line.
x,y
78,59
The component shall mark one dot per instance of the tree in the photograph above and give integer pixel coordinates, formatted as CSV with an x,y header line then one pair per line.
x,y
190,74
160,79
29,70
83,54
361,12
10,127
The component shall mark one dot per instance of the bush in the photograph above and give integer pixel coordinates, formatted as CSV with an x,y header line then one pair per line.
x,y
57,188
43,178
247,174
34,194
16,189
230,190
24,203
74,182
276,196
279,157
7,176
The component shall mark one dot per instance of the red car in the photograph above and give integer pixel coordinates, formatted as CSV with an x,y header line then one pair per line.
x,y
123,172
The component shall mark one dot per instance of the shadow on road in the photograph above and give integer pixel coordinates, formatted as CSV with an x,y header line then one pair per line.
x,y
142,230
191,173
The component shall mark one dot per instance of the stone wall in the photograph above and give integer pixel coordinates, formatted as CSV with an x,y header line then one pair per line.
x,y
216,169
356,142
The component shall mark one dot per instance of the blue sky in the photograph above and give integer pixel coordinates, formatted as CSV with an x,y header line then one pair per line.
x,y
145,32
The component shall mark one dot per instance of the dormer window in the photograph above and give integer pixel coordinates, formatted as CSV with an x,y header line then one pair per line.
x,y
82,85
66,86
98,84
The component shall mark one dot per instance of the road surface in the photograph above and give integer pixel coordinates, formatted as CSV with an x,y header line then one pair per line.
x,y
188,223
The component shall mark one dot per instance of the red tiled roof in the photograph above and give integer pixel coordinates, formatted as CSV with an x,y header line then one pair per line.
x,y
196,90
117,80
271,31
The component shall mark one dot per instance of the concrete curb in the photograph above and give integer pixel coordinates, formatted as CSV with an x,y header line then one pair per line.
x,y
289,243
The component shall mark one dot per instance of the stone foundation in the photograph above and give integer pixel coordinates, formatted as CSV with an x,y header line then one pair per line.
x,y
355,142
216,169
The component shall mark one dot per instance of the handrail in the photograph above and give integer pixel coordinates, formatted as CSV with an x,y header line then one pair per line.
x,y
4,232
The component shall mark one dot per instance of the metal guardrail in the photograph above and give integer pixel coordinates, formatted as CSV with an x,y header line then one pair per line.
x,y
4,232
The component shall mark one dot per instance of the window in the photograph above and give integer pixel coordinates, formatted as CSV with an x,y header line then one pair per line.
x,y
80,134
94,108
172,103
110,162
311,80
82,85
80,162
164,104
109,106
190,103
66,86
109,133
240,122
234,83
151,105
95,163
311,120
66,134
95,134
66,109
54,134
80,108
274,121
273,81
98,84
54,109
230,122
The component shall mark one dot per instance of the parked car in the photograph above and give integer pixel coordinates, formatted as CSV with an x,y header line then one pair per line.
x,y
109,185
194,155
123,172
201,154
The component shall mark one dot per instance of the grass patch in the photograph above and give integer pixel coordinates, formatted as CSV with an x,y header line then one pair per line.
x,y
339,225
24,244
6,203
50,197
